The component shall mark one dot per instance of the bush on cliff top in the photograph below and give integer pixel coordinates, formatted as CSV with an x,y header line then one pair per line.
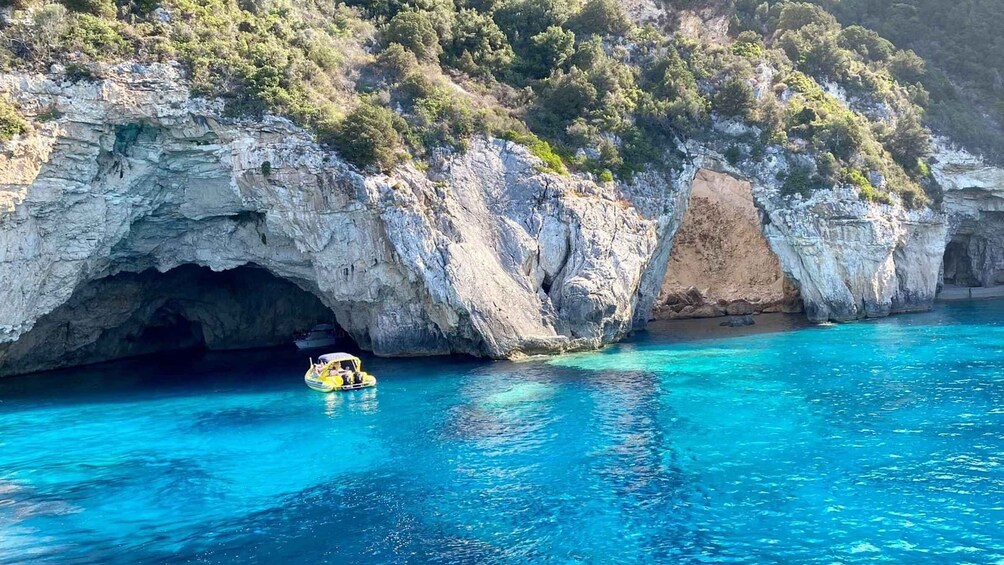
x,y
11,122
369,136
597,93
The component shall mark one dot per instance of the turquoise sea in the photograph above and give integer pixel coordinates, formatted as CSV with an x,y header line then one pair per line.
x,y
872,441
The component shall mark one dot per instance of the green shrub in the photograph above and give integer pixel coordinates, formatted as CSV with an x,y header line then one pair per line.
x,y
11,122
797,15
733,155
414,31
600,17
748,50
478,46
907,67
548,51
441,119
540,149
100,8
735,98
368,137
828,168
563,98
606,176
803,83
839,133
866,43
909,142
95,37
797,181
397,61
521,20
50,114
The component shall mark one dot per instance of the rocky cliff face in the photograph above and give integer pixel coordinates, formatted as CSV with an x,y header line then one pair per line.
x,y
849,259
973,202
721,263
481,254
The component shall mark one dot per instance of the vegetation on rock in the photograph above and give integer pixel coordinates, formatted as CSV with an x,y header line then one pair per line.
x,y
576,81
11,123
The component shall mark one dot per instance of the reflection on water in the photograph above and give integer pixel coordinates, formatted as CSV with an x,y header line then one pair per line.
x,y
859,442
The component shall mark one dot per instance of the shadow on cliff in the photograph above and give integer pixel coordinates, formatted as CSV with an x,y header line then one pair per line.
x,y
187,309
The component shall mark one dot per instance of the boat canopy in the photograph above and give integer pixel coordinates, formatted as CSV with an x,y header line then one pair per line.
x,y
329,357
323,328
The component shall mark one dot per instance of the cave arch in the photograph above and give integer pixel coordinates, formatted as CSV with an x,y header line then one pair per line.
x,y
186,308
720,262
958,263
974,256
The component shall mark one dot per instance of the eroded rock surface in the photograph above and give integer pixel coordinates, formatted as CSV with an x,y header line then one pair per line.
x,y
483,254
973,200
721,263
850,259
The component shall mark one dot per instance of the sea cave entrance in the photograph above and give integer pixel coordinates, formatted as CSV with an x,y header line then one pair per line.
x,y
973,264
721,263
184,309
958,263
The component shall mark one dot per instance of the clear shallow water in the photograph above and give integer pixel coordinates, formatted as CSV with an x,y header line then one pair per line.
x,y
871,441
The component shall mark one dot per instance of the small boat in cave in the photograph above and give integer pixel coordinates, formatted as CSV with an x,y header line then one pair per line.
x,y
321,335
336,372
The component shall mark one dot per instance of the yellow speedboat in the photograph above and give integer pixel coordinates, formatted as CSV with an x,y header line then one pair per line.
x,y
337,371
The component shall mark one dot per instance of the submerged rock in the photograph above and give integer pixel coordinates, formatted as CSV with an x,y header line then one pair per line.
x,y
739,321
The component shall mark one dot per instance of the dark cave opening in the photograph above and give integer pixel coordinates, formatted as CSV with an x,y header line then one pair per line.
x,y
958,263
169,330
188,308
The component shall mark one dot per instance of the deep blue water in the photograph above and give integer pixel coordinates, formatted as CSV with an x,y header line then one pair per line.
x,y
871,441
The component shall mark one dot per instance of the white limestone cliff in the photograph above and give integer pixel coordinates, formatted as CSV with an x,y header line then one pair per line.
x,y
973,201
482,254
850,259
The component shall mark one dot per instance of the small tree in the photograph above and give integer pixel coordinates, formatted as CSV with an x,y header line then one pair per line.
x,y
866,43
735,99
101,8
909,142
397,61
368,137
550,49
414,31
839,134
478,45
600,17
566,97
907,67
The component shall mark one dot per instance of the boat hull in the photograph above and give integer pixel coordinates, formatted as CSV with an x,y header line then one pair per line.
x,y
315,343
334,384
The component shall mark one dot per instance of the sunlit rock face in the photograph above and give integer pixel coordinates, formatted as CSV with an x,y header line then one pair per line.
x,y
482,254
849,259
721,263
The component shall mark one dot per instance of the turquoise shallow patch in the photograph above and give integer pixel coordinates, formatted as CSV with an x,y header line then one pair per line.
x,y
870,441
